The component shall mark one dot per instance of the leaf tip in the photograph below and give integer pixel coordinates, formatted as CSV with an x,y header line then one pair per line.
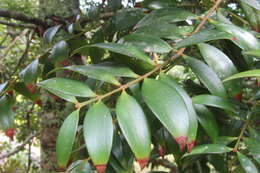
x,y
143,162
182,140
101,168
190,145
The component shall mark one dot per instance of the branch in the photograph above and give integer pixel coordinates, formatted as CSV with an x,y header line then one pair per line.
x,y
157,68
20,147
22,17
17,25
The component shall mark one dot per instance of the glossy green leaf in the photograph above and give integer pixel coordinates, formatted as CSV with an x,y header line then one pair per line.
x,y
250,73
30,73
193,123
207,121
225,140
207,76
222,65
59,52
167,15
145,42
214,101
3,87
50,33
66,137
255,53
82,167
134,125
169,30
66,86
69,98
246,163
127,50
168,106
253,145
242,37
92,71
209,149
21,88
253,3
6,113
158,4
98,133
203,36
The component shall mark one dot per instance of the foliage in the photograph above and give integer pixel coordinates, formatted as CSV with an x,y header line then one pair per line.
x,y
131,105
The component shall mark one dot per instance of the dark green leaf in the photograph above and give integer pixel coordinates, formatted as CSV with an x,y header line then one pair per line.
x,y
98,133
66,137
193,123
147,43
215,101
50,33
21,88
30,73
168,106
203,36
209,149
250,73
82,167
246,163
6,113
66,86
225,140
253,145
167,15
59,52
207,76
3,87
127,50
207,121
134,125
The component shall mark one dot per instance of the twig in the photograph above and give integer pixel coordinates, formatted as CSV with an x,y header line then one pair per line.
x,y
165,163
22,17
158,67
18,25
241,134
20,147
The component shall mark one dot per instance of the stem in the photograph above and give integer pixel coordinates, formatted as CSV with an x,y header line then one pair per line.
x,y
241,135
158,67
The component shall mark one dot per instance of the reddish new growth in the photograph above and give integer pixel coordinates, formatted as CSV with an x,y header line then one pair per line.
x,y
238,97
182,140
190,145
234,39
101,168
162,150
31,88
10,133
65,63
143,162
38,102
10,92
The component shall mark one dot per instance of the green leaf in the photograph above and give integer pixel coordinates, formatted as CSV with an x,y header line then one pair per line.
x,y
255,53
59,52
209,149
82,167
66,86
225,140
127,50
168,106
6,113
30,73
134,125
253,3
253,145
3,87
167,15
92,71
66,137
241,37
207,76
98,133
207,121
193,123
214,101
249,73
203,36
21,88
222,65
147,43
50,33
246,163
169,30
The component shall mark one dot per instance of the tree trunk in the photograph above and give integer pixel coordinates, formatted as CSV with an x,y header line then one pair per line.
x,y
54,112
